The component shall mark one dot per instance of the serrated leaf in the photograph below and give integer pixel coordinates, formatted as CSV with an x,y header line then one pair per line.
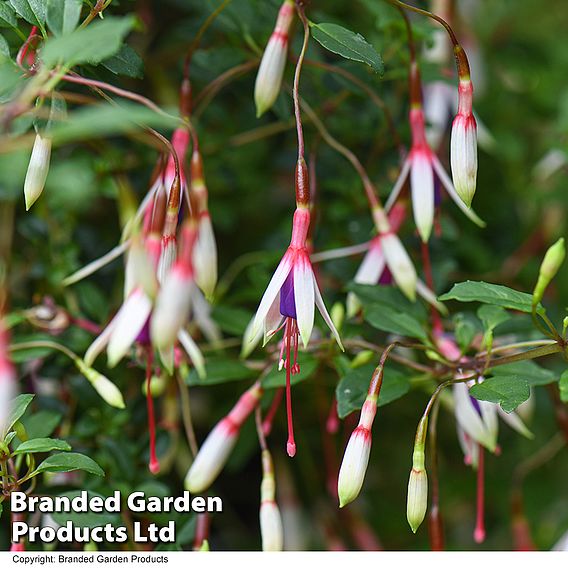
x,y
276,378
92,44
352,388
63,15
17,409
37,445
387,319
348,44
33,11
7,15
493,294
563,385
507,390
69,462
126,62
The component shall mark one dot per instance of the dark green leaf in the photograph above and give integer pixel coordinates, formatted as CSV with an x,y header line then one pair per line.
x,y
7,15
493,294
63,15
69,462
466,326
492,316
388,319
529,370
33,11
125,62
507,390
564,386
276,378
220,371
18,408
92,44
348,44
4,47
232,320
352,389
41,424
38,445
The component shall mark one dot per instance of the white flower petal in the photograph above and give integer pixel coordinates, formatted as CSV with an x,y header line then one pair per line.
x,y
324,314
469,419
515,422
398,185
270,72
99,344
38,169
399,264
304,285
193,351
130,320
354,466
422,188
205,256
273,320
271,530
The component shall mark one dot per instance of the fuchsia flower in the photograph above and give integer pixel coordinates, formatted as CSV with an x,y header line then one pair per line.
x,y
270,519
463,144
422,165
289,302
271,70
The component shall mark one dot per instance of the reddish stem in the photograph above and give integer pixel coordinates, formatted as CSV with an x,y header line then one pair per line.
x,y
154,465
437,326
479,532
269,417
291,443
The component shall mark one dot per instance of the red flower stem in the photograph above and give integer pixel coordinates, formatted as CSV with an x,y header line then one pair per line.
x,y
87,325
154,465
290,444
479,533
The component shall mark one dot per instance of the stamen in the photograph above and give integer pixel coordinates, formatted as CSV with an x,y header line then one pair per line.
x,y
479,532
154,465
291,444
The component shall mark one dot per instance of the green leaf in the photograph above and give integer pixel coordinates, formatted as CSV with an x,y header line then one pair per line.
x,y
88,519
92,44
4,47
276,378
7,15
220,371
352,388
533,373
42,445
493,294
564,386
231,320
348,44
33,11
42,424
63,15
492,316
388,319
106,120
508,390
18,408
69,462
126,62
466,326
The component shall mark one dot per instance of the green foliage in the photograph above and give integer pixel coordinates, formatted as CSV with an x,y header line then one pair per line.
x,y
507,390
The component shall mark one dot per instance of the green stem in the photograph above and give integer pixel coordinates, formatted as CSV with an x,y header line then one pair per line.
x,y
532,354
44,344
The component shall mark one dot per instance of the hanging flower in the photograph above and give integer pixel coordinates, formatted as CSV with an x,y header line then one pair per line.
x,y
38,168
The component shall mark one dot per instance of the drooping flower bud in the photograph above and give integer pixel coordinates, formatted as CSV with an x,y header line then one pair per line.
x,y
218,445
270,519
107,390
417,499
38,169
551,263
356,457
463,142
271,70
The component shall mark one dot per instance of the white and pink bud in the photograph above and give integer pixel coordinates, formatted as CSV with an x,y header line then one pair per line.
x,y
220,442
271,70
356,456
463,144
270,520
417,498
38,169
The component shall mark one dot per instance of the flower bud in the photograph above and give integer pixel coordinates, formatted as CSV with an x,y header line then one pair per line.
x,y
362,358
399,264
356,457
337,314
271,70
38,169
463,145
417,500
553,259
107,390
218,445
205,256
270,519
